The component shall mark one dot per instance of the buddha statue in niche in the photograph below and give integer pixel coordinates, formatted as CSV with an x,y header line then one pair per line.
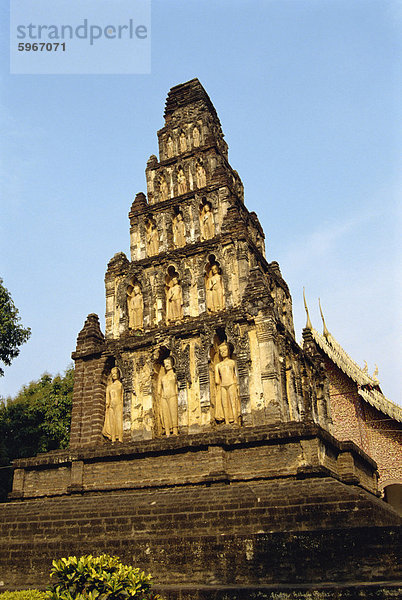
x,y
227,407
183,142
135,306
174,300
201,176
207,224
152,238
179,231
214,287
163,187
168,397
113,425
181,182
169,147
196,137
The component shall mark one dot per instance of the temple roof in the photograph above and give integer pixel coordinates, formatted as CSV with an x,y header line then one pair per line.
x,y
368,387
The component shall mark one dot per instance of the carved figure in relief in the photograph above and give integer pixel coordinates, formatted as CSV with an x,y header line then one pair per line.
x,y
183,142
113,425
181,182
174,301
215,294
201,176
135,308
164,190
152,239
227,398
207,223
179,231
168,394
169,147
196,137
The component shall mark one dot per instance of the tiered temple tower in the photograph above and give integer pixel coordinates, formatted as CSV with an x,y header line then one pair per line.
x,y
198,278
201,446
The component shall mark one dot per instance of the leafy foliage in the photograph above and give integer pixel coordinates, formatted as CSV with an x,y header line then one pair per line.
x,y
36,420
12,333
102,577
23,595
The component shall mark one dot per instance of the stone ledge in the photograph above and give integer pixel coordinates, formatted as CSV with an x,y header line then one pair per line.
x,y
328,591
227,437
227,455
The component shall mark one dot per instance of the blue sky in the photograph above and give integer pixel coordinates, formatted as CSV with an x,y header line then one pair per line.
x,y
308,94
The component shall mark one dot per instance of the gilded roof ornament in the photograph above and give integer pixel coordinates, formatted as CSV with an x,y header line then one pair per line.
x,y
365,368
308,323
325,329
366,384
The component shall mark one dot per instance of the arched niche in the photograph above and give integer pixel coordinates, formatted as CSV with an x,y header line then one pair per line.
x,y
393,495
218,339
163,187
196,137
224,388
135,305
207,223
174,296
152,237
178,228
113,394
200,174
165,393
181,181
214,287
182,141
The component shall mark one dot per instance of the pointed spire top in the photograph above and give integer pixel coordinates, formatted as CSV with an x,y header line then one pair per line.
x,y
308,324
90,338
190,92
325,329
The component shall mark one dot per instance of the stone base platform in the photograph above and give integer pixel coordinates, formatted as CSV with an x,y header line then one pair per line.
x,y
233,514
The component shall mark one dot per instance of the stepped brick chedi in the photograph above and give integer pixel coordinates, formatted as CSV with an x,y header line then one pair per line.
x,y
201,440
197,284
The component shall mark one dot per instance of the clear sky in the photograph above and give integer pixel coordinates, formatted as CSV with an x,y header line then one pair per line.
x,y
308,93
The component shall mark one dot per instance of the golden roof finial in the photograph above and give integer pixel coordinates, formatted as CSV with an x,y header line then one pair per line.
x,y
375,374
325,329
308,324
365,368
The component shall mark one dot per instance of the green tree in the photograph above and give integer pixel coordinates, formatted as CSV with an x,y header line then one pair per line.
x,y
36,420
12,333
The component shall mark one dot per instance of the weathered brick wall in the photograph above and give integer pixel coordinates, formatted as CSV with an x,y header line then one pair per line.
x,y
285,450
250,532
345,406
89,385
385,445
354,419
240,506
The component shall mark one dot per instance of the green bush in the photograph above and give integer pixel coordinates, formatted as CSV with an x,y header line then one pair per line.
x,y
23,595
98,578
